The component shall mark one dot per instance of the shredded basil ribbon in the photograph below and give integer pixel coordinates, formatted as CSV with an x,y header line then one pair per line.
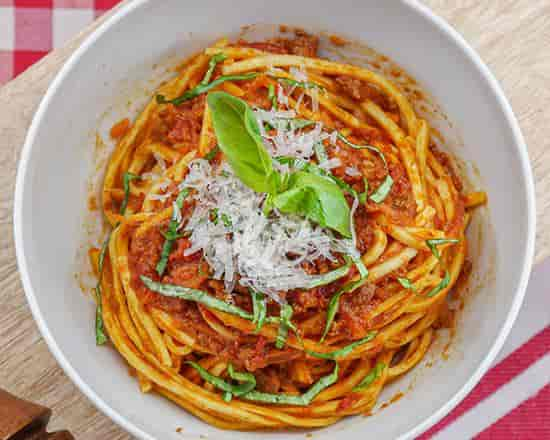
x,y
218,58
364,195
380,194
272,96
285,316
126,179
374,374
290,123
171,235
329,277
432,244
248,381
406,283
301,400
320,152
203,88
259,308
100,336
202,297
245,389
444,283
211,154
334,303
301,84
344,351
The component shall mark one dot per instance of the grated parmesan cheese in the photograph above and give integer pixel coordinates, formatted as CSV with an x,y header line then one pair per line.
x,y
352,171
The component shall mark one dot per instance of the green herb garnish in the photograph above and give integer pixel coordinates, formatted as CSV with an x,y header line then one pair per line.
x,y
248,381
442,285
171,234
203,88
434,242
344,351
334,303
212,63
211,154
320,152
259,309
299,84
126,179
100,336
285,316
288,399
406,283
374,374
272,96
329,277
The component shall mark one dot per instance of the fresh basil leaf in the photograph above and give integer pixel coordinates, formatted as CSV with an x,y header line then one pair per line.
x,y
239,138
442,285
374,374
334,303
171,234
382,191
203,88
288,399
126,179
434,242
211,154
272,96
259,309
301,164
285,316
248,381
316,198
344,351
364,195
406,283
218,58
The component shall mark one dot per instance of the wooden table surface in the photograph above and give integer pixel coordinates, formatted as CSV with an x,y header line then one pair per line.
x,y
512,37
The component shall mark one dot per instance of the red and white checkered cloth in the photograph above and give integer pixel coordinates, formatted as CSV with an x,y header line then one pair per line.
x,y
512,401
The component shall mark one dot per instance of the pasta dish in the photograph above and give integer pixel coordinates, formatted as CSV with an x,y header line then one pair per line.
x,y
284,237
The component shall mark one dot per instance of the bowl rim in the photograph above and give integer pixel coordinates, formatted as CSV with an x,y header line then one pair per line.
x,y
416,7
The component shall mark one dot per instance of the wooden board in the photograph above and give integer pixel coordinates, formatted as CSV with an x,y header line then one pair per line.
x,y
512,37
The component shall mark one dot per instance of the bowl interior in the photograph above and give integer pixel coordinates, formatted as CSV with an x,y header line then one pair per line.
x,y
119,63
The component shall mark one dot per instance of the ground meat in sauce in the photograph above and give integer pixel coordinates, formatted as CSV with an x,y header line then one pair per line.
x,y
355,309
184,122
361,91
302,44
445,160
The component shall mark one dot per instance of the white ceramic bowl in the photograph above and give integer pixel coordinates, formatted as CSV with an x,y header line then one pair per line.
x,y
56,162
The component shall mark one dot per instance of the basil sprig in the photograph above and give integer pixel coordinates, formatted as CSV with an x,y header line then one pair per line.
x,y
334,303
344,351
211,154
171,234
100,336
374,374
259,309
432,244
380,194
203,88
126,179
247,381
302,193
288,399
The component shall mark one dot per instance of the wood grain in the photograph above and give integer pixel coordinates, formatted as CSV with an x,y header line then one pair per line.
x,y
512,37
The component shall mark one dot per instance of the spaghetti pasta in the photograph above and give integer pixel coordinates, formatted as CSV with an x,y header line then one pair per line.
x,y
282,245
